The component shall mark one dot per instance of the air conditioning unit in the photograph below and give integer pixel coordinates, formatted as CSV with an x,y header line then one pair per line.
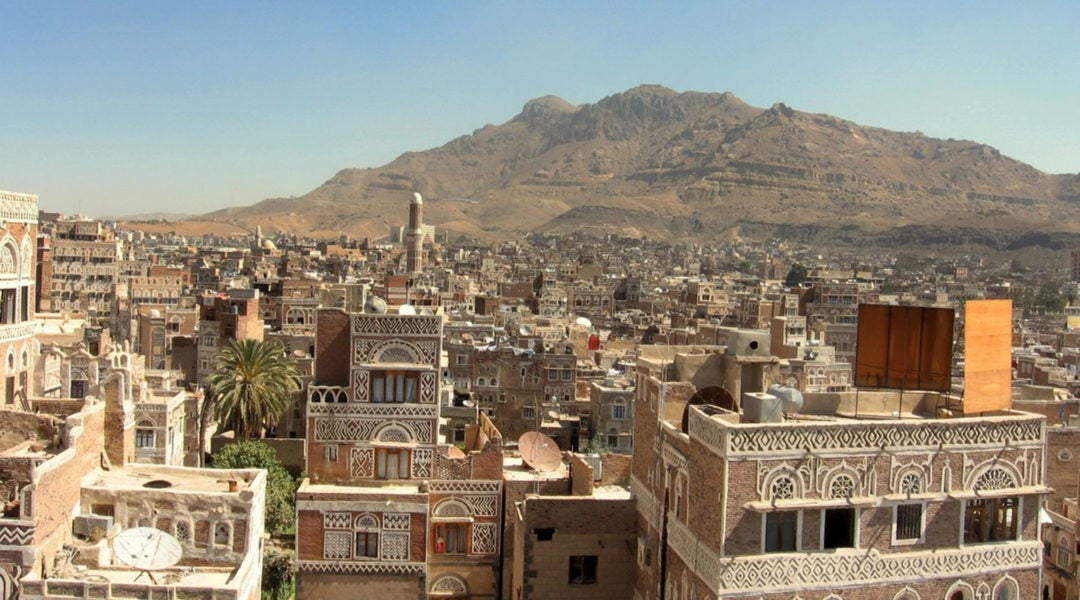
x,y
88,525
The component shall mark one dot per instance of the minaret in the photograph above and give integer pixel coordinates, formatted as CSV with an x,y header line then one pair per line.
x,y
414,235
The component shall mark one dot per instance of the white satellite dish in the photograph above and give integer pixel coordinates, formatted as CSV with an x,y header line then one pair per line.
x,y
583,321
525,330
406,309
147,549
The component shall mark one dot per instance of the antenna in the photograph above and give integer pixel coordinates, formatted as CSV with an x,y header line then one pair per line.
x,y
147,549
540,452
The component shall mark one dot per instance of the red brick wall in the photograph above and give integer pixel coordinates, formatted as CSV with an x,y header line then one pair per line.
x,y
332,349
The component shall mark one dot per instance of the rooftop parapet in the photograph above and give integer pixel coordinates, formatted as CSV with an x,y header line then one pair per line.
x,y
723,434
18,208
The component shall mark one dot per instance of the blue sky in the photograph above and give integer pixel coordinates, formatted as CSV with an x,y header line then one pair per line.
x,y
133,106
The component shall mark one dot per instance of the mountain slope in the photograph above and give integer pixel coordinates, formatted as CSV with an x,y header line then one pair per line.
x,y
668,165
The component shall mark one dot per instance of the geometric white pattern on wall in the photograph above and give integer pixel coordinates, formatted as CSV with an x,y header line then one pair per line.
x,y
395,546
483,538
337,545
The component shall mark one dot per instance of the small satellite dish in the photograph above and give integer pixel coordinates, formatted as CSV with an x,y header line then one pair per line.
x,y
525,330
406,309
554,415
375,305
468,404
147,549
426,311
583,321
540,452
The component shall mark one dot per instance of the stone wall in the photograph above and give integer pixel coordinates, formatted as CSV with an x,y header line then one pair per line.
x,y
577,527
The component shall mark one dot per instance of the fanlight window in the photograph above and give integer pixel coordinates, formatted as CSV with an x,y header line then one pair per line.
x,y
843,486
995,479
910,483
783,488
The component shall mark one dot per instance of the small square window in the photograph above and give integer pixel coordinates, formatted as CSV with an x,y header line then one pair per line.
x,y
582,570
544,534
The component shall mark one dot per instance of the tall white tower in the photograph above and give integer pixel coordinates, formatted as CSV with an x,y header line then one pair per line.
x,y
414,235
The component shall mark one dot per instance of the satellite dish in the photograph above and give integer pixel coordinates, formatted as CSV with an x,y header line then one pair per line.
x,y
583,321
147,549
427,312
712,395
525,330
375,305
540,452
554,415
406,309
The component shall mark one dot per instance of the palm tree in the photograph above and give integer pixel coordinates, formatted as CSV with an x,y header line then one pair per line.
x,y
252,383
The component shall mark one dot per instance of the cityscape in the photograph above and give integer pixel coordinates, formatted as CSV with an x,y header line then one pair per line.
x,y
560,301
553,417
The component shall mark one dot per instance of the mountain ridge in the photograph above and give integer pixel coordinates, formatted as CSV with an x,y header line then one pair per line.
x,y
676,165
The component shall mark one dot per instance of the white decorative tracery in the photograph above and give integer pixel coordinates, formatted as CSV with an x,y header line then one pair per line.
x,y
995,478
449,585
842,486
396,521
782,482
394,433
421,462
451,508
336,520
27,259
8,258
395,546
783,488
483,538
911,483
337,545
362,462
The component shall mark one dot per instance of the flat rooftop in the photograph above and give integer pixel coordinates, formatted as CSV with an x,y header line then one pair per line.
x,y
179,576
172,479
515,469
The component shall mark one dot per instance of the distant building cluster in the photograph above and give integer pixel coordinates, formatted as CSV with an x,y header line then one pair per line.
x,y
550,417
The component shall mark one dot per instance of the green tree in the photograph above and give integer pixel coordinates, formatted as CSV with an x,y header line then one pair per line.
x,y
280,486
252,385
279,572
796,275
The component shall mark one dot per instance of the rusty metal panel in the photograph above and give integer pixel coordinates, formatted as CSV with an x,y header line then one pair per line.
x,y
987,356
904,347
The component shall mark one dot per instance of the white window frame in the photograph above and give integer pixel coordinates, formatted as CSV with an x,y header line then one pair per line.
x,y
855,523
922,525
798,531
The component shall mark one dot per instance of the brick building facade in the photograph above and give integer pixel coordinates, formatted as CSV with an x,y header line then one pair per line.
x,y
388,504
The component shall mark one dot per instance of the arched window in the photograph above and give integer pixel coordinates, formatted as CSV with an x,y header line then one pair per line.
x,y
367,532
1006,589
222,534
453,524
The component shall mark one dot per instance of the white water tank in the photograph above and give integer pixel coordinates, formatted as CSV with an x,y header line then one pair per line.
x,y
758,407
791,399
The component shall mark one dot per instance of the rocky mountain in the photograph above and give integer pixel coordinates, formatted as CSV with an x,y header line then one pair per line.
x,y
707,166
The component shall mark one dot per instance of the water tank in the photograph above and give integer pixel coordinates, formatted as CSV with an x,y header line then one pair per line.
x,y
759,407
791,399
